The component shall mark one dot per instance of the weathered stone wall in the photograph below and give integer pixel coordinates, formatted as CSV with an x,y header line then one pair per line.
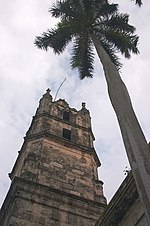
x,y
31,204
70,169
55,126
55,179
60,165
134,216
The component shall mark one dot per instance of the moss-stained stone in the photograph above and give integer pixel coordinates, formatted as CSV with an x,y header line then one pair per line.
x,y
55,178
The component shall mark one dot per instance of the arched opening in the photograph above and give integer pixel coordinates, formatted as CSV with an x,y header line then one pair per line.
x,y
66,116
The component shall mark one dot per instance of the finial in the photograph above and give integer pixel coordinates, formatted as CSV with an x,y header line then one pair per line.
x,y
47,94
48,90
83,104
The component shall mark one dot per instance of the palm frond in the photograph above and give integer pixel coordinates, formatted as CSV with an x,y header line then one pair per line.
x,y
138,2
126,44
56,38
63,9
83,56
104,10
110,50
79,19
119,22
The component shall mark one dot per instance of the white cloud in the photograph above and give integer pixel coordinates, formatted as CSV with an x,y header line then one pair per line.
x,y
26,72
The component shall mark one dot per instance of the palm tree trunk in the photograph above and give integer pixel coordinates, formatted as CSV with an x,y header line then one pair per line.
x,y
134,140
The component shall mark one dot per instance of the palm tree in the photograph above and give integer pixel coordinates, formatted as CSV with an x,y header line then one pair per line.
x,y
96,23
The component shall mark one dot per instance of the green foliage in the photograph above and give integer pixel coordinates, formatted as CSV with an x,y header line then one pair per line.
x,y
79,19
83,56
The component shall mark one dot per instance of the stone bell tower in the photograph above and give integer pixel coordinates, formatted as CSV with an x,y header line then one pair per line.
x,y
55,180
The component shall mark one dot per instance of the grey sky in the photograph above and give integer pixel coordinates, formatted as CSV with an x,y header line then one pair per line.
x,y
26,72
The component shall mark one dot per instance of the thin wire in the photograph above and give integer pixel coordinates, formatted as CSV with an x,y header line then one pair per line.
x,y
59,88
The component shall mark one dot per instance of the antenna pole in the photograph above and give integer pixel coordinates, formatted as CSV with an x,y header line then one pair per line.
x,y
59,88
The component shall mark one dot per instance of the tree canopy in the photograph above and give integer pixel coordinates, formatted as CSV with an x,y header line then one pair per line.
x,y
79,21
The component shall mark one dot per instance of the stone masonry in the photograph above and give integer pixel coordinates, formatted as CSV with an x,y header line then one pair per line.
x,y
55,179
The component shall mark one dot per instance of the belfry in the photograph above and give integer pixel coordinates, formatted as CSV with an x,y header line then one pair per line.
x,y
55,179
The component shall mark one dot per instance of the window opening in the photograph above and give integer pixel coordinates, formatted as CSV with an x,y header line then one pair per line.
x,y
67,134
66,116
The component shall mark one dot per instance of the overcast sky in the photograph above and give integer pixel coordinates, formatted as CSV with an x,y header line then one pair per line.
x,y
26,72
